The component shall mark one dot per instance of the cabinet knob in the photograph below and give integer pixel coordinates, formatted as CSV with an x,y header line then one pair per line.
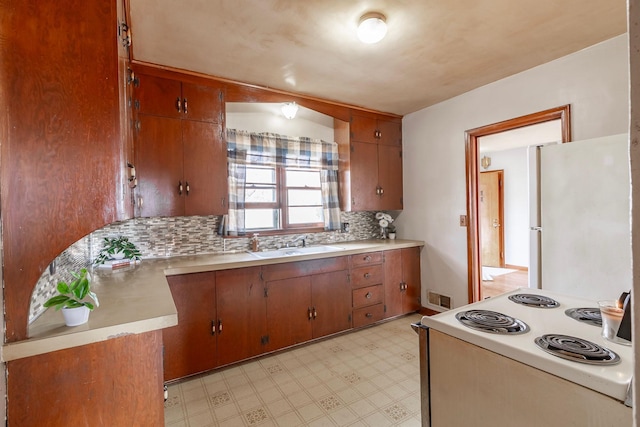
x,y
367,275
369,315
368,295
367,258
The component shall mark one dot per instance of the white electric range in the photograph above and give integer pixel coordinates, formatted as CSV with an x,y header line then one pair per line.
x,y
612,379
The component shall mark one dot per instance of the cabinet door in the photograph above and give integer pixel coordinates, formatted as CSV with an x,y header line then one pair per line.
x,y
190,347
364,176
331,297
390,133
411,278
288,312
242,314
205,168
363,129
390,177
203,103
158,96
159,166
393,292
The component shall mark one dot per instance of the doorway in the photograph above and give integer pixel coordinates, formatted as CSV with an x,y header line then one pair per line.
x,y
472,150
491,211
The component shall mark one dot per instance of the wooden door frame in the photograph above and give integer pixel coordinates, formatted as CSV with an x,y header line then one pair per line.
x,y
563,113
500,173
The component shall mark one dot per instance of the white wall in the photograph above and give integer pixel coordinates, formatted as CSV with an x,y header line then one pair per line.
x,y
515,165
594,81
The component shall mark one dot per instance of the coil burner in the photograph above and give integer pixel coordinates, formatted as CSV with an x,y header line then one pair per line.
x,y
589,315
492,322
577,350
532,300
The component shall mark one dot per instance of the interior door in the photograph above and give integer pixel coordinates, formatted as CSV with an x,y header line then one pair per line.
x,y
490,205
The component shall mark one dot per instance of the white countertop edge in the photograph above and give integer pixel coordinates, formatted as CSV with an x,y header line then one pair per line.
x,y
37,346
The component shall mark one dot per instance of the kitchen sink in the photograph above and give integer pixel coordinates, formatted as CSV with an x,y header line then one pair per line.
x,y
285,252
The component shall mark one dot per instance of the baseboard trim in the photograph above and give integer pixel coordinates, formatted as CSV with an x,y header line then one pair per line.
x,y
516,267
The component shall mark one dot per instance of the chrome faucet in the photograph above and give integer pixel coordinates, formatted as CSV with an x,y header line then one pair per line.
x,y
303,238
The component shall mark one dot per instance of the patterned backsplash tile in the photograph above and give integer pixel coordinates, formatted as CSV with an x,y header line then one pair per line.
x,y
163,237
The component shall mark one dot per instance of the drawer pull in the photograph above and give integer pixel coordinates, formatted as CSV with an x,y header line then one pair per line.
x,y
309,313
367,258
219,326
368,295
367,275
213,327
369,315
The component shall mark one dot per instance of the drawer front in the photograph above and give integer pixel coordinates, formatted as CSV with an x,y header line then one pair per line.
x,y
367,276
367,296
368,315
366,259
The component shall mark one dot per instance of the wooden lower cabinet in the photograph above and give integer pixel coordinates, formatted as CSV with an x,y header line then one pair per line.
x,y
402,281
331,303
117,382
242,314
289,312
191,346
231,315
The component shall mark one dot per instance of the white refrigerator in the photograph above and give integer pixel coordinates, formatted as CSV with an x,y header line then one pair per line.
x,y
580,217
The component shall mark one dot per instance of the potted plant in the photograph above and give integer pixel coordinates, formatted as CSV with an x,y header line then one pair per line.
x,y
391,231
117,248
70,299
384,220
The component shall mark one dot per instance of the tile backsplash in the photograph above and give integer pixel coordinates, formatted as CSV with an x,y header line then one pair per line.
x,y
163,237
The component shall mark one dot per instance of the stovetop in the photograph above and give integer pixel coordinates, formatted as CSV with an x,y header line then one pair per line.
x,y
612,380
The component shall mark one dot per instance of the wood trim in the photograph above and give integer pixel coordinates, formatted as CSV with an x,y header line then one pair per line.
x,y
563,113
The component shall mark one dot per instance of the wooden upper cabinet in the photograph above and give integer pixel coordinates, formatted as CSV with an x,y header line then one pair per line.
x,y
181,155
371,163
376,131
390,193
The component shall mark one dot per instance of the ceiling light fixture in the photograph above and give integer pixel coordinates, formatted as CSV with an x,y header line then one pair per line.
x,y
290,109
372,27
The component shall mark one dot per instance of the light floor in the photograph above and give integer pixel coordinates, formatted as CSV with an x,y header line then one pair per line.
x,y
365,378
505,283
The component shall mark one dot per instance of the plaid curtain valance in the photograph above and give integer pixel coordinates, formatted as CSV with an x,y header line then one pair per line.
x,y
270,149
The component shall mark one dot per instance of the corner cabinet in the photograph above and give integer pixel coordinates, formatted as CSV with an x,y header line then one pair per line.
x,y
181,156
371,162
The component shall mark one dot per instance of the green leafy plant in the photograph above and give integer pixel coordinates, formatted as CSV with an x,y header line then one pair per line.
x,y
72,294
113,245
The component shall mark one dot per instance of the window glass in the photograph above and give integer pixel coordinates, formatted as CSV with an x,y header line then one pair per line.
x,y
260,219
305,215
300,178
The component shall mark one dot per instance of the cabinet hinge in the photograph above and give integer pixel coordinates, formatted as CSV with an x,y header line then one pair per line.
x,y
264,340
352,149
124,33
220,95
349,317
348,277
266,292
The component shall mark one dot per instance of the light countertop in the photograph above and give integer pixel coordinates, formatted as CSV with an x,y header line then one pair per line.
x,y
137,299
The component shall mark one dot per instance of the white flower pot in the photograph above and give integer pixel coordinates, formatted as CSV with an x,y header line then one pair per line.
x,y
392,236
118,255
75,316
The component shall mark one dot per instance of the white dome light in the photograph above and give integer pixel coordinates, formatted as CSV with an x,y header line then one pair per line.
x,y
290,109
372,27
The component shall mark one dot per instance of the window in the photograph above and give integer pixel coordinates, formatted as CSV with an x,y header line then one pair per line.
x,y
282,198
278,182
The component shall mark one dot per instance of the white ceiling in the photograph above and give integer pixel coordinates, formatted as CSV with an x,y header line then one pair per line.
x,y
434,49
